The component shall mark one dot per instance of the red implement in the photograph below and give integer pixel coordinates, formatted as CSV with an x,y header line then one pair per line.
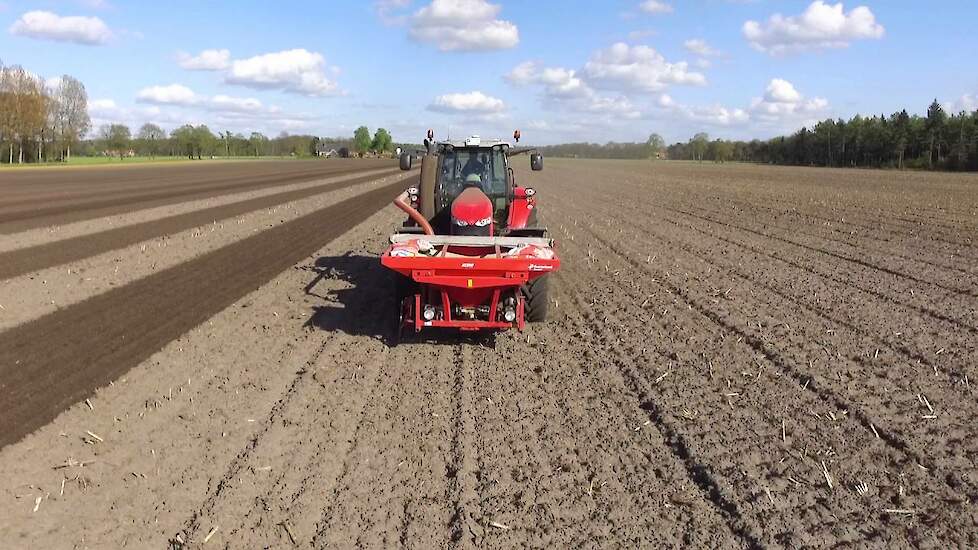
x,y
467,282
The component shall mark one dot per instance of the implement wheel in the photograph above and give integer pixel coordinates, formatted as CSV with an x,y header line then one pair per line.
x,y
535,302
403,310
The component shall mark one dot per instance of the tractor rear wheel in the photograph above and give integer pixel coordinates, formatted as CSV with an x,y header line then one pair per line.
x,y
535,302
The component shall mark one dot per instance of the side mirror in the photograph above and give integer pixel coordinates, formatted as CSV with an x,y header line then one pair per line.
x,y
406,159
536,162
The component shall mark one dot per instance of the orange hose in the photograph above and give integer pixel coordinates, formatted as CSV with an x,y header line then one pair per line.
x,y
401,202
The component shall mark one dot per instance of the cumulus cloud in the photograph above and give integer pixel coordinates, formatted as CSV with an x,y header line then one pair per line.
x,y
781,106
655,7
207,60
296,71
637,68
558,81
821,26
471,102
45,25
182,96
172,94
781,100
463,25
564,88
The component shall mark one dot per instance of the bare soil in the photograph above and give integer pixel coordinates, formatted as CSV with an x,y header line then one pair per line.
x,y
737,356
39,198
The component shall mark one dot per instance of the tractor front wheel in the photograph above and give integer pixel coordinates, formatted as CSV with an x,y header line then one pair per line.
x,y
535,302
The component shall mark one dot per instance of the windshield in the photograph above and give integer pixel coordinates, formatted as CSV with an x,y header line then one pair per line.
x,y
483,168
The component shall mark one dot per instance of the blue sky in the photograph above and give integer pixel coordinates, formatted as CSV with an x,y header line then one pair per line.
x,y
559,70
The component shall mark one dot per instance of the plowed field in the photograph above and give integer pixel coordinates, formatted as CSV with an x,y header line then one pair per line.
x,y
737,357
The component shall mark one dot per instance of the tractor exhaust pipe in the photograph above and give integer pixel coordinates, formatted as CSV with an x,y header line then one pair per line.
x,y
402,202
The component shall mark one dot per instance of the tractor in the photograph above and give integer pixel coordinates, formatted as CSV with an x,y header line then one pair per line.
x,y
470,255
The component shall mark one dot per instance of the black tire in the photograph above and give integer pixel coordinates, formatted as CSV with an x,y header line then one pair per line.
x,y
535,302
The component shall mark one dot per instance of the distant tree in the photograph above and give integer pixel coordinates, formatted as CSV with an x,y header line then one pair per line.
x,y
226,137
382,141
204,141
655,144
699,144
150,137
70,106
116,138
936,119
258,142
314,146
361,140
721,150
184,140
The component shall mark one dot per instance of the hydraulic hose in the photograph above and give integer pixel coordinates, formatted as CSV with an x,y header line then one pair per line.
x,y
402,202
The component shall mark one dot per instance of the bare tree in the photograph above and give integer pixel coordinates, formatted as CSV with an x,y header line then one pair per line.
x,y
71,121
151,135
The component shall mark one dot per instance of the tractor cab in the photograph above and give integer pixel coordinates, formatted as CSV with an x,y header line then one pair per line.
x,y
467,187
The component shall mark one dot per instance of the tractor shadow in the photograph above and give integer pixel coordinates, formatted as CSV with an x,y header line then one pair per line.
x,y
364,305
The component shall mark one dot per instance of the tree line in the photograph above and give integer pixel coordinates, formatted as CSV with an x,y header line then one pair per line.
x,y
934,141
37,121
937,141
44,123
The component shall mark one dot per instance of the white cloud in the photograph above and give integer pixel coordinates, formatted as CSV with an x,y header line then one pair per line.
x,y
782,101
297,71
180,95
700,47
557,81
471,102
172,94
564,88
234,104
463,25
101,106
655,6
967,102
207,60
782,107
45,25
637,68
821,26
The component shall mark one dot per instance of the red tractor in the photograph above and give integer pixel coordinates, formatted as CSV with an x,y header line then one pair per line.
x,y
470,255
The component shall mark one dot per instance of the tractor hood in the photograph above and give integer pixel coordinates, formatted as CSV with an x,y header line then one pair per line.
x,y
472,213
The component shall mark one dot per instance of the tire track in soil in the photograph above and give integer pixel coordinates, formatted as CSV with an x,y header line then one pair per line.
x,y
806,271
810,381
848,285
391,491
948,485
27,260
698,468
643,214
206,182
468,522
565,458
103,337
842,234
835,255
712,453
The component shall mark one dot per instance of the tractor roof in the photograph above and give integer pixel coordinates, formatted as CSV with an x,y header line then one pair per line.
x,y
475,141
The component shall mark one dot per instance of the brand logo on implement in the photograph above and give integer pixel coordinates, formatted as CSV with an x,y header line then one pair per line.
x,y
468,264
537,267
